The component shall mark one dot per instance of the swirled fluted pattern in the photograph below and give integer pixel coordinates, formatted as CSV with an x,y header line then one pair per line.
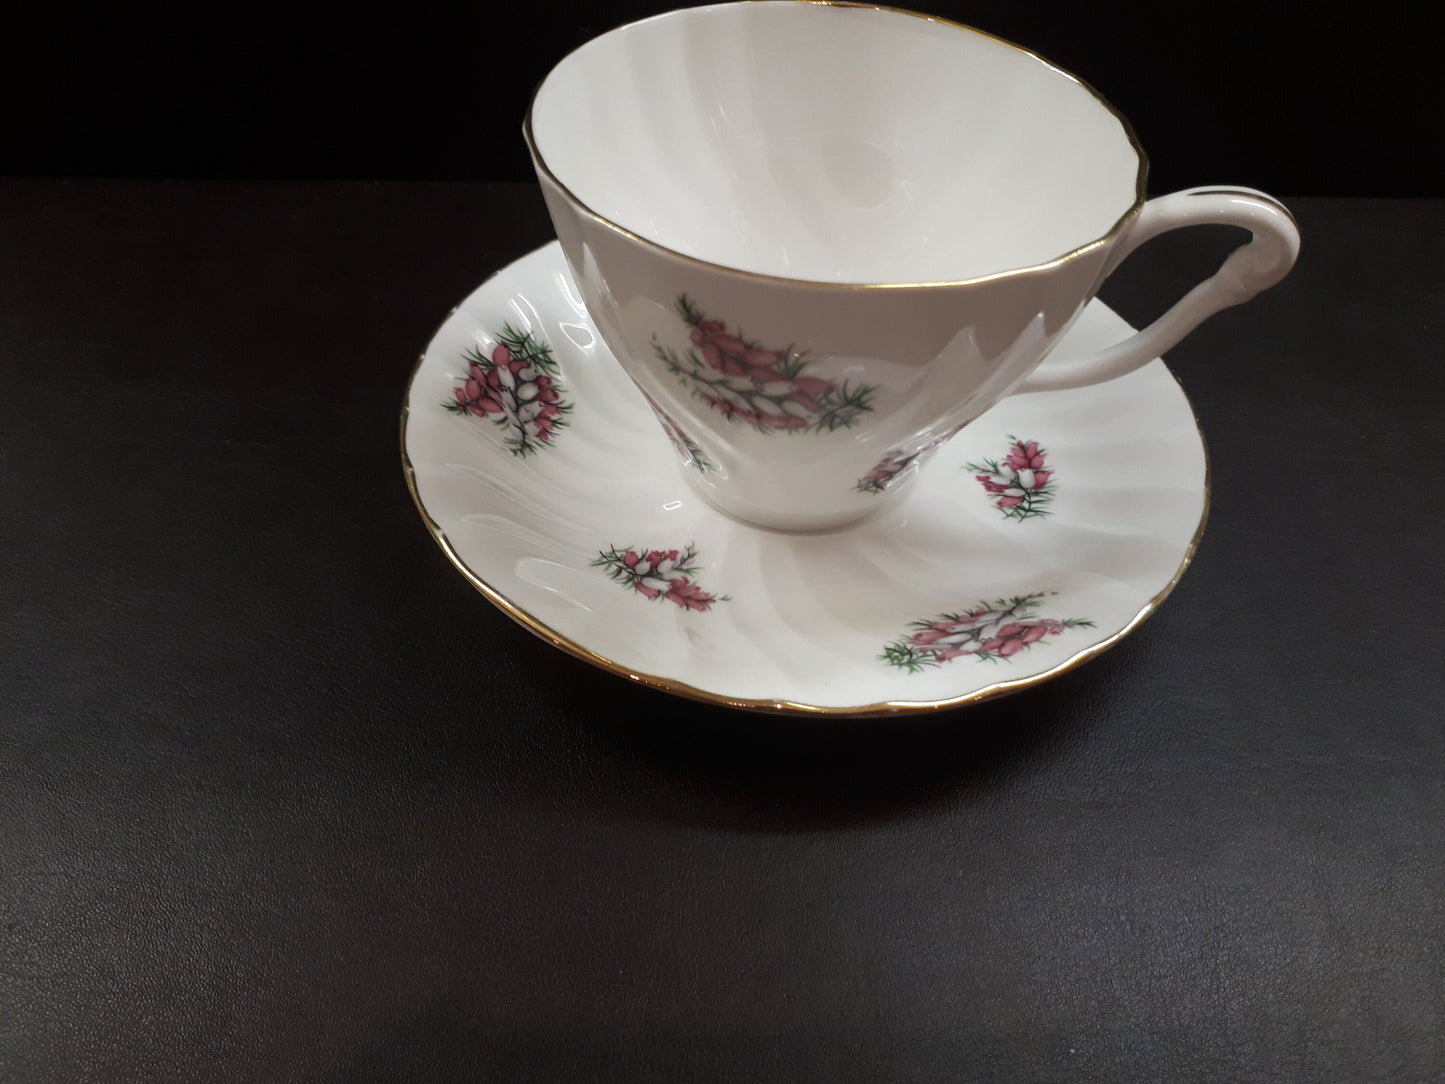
x,y
807,618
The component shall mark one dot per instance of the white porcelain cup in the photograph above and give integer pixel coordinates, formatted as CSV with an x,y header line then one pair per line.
x,y
821,238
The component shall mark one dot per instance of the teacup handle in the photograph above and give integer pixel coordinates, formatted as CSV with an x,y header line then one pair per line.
x,y
1247,270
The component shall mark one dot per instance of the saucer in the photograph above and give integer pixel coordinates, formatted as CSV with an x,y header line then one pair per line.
x,y
1037,538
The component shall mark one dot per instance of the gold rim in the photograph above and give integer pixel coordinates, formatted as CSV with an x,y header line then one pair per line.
x,y
1140,180
783,706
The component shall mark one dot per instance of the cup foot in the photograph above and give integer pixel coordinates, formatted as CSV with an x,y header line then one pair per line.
x,y
788,522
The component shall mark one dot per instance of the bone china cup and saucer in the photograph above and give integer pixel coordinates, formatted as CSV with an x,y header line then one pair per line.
x,y
761,429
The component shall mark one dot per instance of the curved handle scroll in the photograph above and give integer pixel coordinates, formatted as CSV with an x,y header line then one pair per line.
x,y
1247,270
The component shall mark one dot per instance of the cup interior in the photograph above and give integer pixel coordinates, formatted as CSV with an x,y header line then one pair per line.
x,y
834,143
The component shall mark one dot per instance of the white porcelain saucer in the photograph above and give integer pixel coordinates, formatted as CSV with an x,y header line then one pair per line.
x,y
1034,540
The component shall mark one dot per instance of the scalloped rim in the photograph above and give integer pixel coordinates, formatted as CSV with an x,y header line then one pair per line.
x,y
1140,181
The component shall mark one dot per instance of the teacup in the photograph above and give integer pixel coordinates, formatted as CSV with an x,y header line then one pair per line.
x,y
821,238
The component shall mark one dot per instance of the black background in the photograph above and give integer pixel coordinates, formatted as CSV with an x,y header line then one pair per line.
x,y
1297,100
283,799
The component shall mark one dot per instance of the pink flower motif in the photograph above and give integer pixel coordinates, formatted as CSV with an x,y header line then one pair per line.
x,y
723,352
705,328
1012,638
659,573
691,452
810,403
882,471
1025,456
474,398
755,357
783,421
813,387
900,459
713,356
993,632
930,636
1020,483
731,344
762,387
954,632
516,387
657,558
687,594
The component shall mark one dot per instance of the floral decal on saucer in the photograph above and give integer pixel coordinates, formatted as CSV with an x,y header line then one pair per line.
x,y
996,631
691,452
1023,488
517,387
887,469
659,574
767,389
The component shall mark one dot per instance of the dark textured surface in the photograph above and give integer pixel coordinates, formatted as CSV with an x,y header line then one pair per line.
x,y
1232,90
281,798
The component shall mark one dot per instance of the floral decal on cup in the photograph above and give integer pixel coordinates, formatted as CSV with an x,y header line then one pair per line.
x,y
691,452
517,387
659,574
995,631
884,471
1020,484
767,389
887,469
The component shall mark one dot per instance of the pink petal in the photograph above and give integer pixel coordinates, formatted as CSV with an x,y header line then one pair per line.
x,y
762,359
811,385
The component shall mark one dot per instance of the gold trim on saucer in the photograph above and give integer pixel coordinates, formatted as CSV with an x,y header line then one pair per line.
x,y
1140,194
784,706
